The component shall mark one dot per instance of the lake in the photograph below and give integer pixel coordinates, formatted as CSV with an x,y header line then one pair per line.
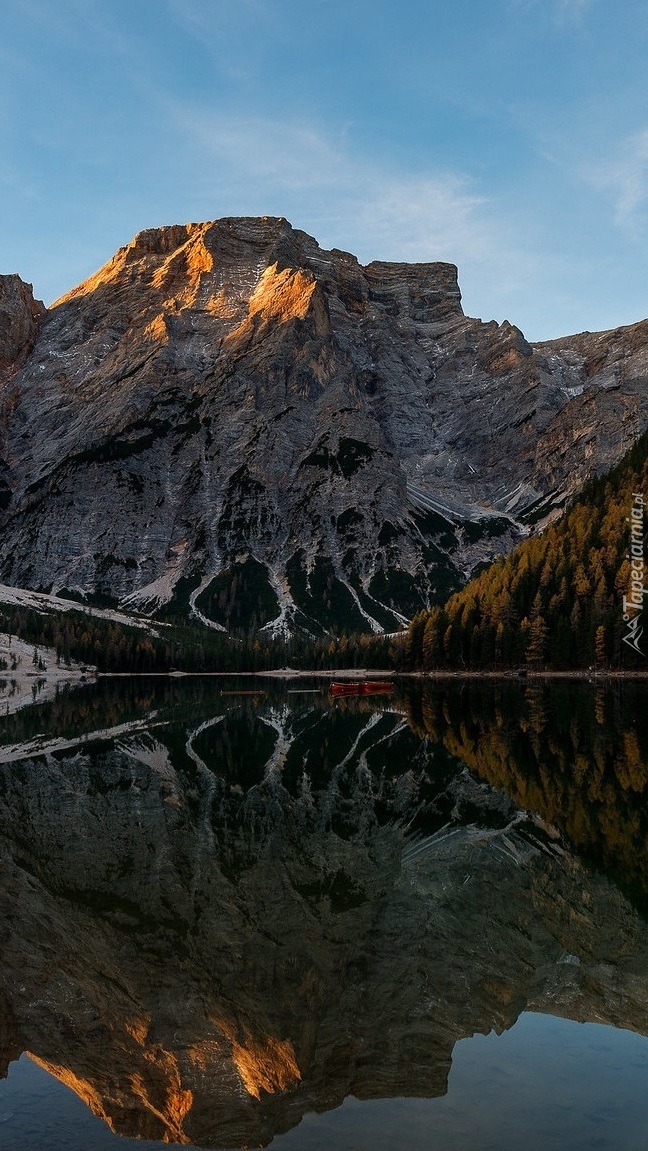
x,y
242,913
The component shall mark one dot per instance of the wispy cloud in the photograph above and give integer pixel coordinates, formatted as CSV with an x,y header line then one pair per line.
x,y
570,11
203,18
621,176
629,178
358,201
562,13
362,203
288,154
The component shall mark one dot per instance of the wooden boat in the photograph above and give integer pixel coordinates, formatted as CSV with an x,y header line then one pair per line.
x,y
352,688
360,687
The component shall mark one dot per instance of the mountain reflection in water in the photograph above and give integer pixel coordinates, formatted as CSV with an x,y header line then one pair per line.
x,y
221,912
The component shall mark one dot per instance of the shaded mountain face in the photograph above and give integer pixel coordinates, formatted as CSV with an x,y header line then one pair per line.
x,y
228,418
21,317
566,598
206,944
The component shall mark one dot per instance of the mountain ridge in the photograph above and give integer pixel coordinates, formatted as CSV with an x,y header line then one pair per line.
x,y
226,405
569,597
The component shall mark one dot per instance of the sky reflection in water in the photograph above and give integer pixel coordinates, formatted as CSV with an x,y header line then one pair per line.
x,y
547,1084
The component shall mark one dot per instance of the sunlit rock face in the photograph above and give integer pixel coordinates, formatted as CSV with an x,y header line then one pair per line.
x,y
205,947
266,433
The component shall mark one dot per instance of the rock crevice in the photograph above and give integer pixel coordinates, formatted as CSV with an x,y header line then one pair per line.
x,y
347,395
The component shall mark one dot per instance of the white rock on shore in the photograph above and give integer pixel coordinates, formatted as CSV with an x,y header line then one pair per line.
x,y
30,673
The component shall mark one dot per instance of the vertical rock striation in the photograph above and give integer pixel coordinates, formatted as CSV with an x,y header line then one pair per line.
x,y
227,406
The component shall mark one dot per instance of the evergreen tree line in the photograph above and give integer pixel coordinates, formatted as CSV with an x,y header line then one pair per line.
x,y
78,636
556,601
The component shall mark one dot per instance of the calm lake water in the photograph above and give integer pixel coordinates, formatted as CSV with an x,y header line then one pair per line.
x,y
242,913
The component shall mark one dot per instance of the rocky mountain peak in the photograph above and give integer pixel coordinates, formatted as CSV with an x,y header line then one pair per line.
x,y
230,420
227,261
427,293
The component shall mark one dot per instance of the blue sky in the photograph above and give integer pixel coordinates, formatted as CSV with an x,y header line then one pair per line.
x,y
507,136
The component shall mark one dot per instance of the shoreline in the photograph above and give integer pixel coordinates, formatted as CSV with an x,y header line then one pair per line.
x,y
32,674
22,675
369,674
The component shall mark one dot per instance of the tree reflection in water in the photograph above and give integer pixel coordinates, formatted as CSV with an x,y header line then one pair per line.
x,y
225,911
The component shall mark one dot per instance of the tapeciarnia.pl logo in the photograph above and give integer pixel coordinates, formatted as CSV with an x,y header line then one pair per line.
x,y
633,602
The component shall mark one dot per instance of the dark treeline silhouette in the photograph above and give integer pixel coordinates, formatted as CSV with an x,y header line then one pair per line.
x,y
557,600
113,647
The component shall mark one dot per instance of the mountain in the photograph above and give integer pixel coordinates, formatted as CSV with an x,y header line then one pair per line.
x,y
571,596
230,422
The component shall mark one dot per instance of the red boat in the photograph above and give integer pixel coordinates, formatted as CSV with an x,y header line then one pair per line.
x,y
361,687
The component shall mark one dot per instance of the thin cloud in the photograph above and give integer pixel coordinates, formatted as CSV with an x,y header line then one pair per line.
x,y
630,178
622,178
288,155
203,19
416,218
562,13
570,11
356,201
320,182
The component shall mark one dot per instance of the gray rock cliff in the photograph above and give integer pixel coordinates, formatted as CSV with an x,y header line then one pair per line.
x,y
265,433
21,317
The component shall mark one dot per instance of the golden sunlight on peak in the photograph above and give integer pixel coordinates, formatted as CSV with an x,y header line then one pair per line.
x,y
157,331
170,1105
173,257
221,306
176,1103
283,295
105,275
184,268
